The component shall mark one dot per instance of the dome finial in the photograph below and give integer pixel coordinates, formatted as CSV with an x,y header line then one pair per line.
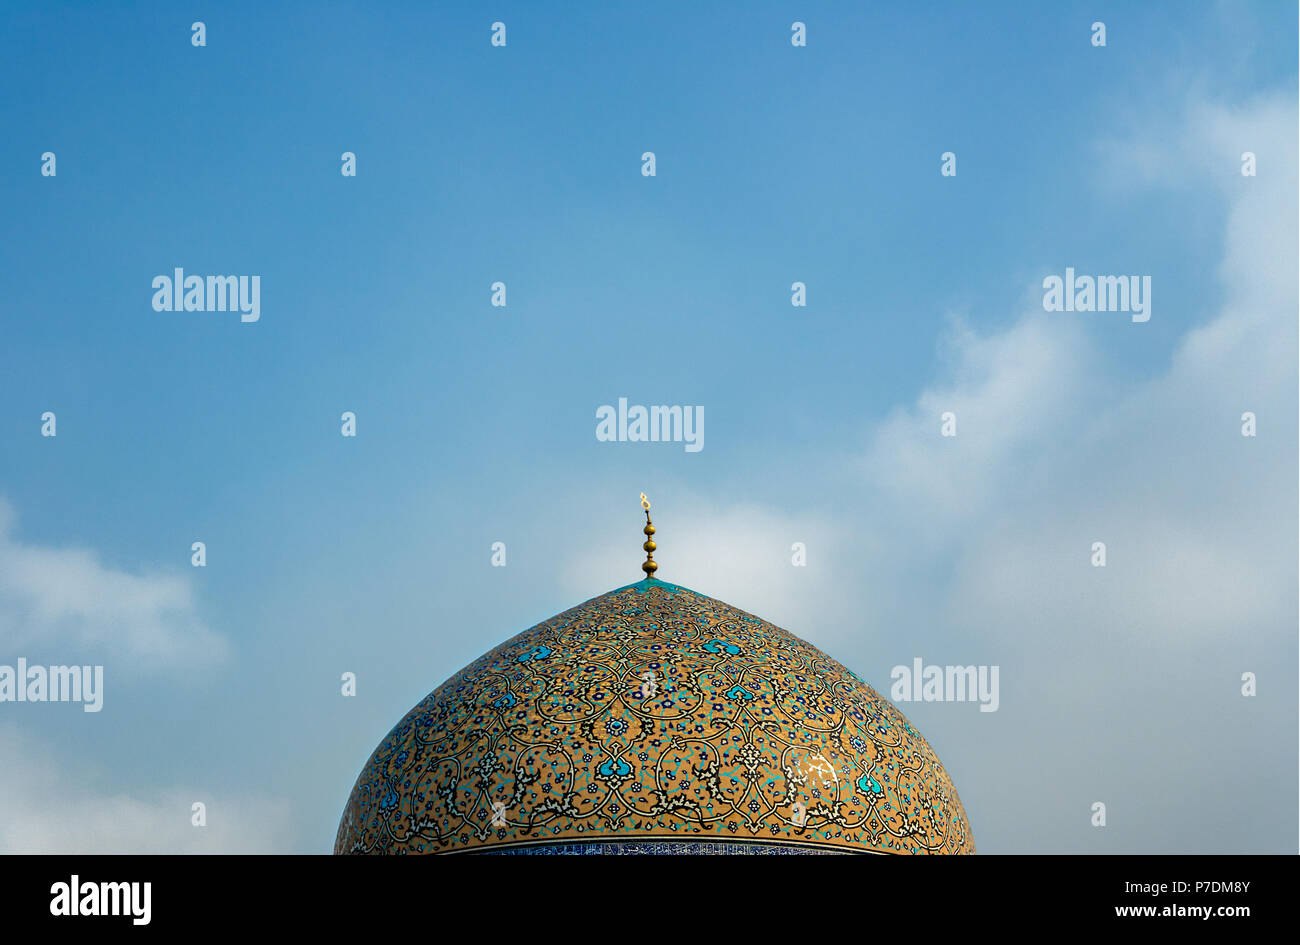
x,y
648,566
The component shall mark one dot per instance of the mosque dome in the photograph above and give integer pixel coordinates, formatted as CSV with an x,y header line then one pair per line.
x,y
653,719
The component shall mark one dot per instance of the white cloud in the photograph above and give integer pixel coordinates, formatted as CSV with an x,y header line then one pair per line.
x,y
1050,457
989,533
740,554
976,549
1007,392
66,597
989,537
49,809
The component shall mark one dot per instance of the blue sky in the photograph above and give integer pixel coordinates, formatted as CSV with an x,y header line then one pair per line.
x,y
476,424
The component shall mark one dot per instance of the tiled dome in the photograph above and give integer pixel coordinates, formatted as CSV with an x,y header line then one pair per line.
x,y
654,719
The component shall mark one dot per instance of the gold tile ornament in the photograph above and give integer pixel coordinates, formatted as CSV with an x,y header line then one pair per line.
x,y
654,719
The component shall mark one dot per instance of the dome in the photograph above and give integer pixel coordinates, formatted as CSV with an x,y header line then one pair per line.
x,y
654,719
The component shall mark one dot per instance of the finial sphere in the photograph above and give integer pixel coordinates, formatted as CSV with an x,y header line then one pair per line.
x,y
649,567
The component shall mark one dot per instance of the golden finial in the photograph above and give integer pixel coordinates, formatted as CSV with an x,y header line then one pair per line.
x,y
648,566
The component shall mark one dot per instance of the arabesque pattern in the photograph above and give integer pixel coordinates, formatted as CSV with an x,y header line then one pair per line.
x,y
656,713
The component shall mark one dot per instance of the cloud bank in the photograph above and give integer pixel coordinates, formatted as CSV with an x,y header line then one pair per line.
x,y
66,601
